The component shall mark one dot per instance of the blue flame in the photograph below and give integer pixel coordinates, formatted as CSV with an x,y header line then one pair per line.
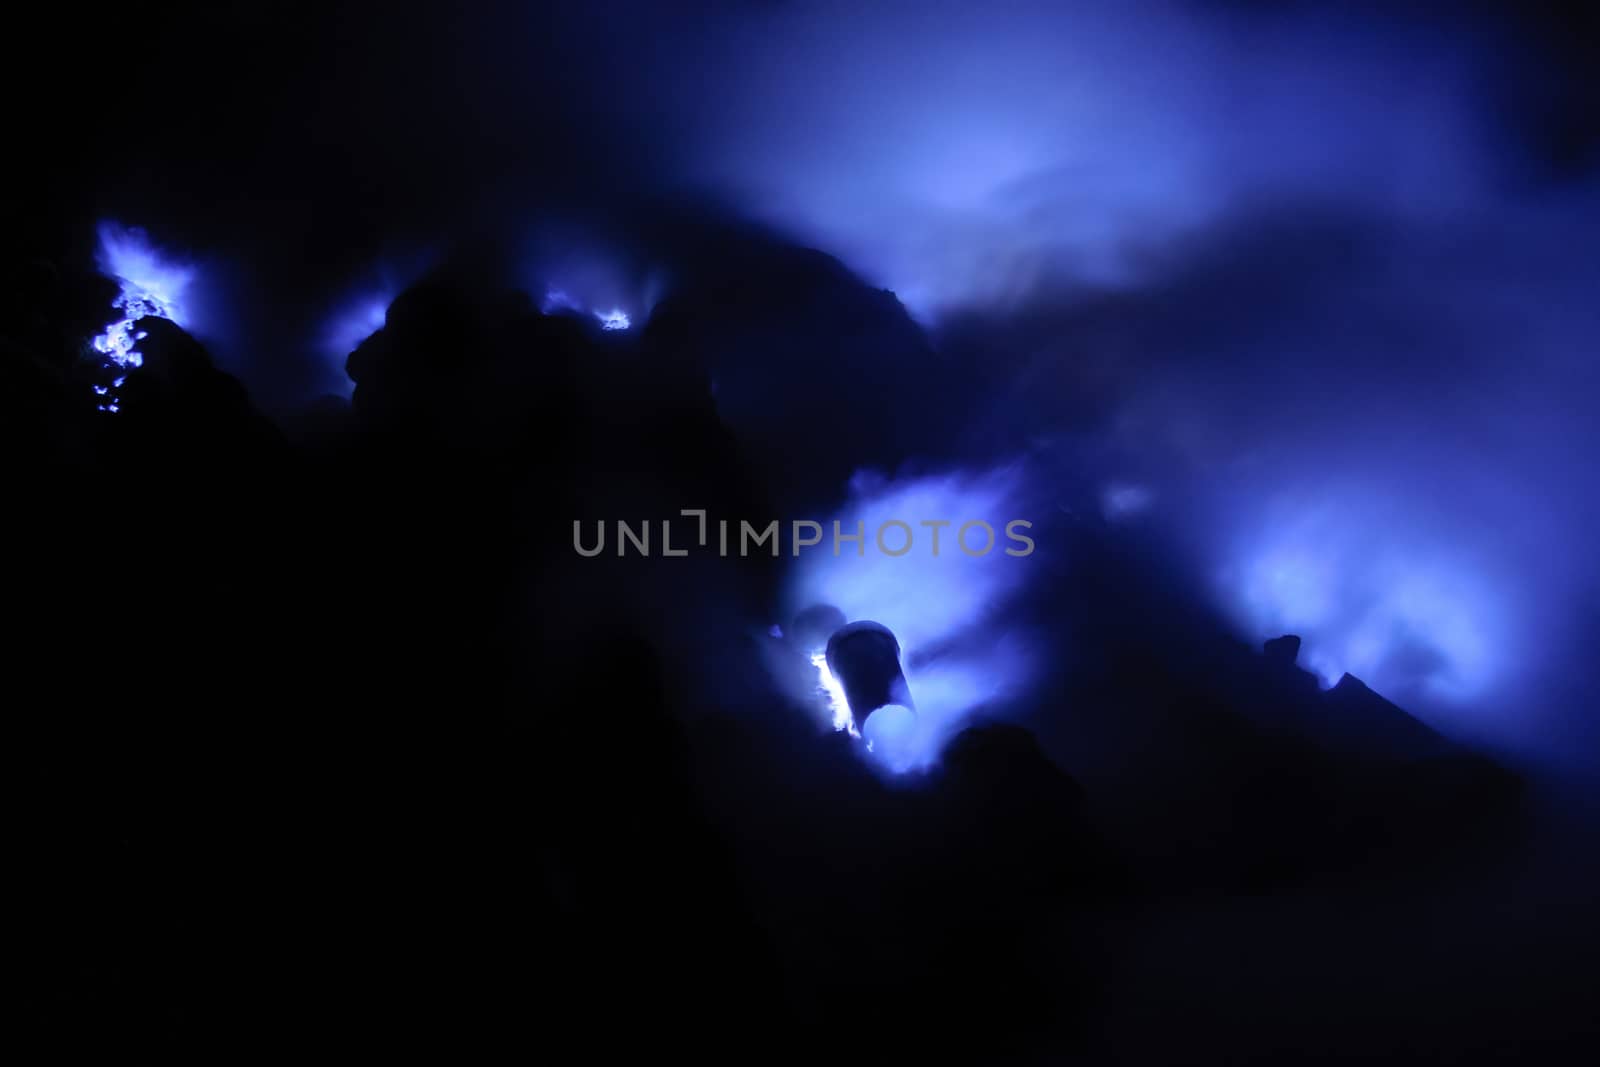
x,y
363,314
583,272
1392,603
153,286
832,692
557,300
362,308
946,610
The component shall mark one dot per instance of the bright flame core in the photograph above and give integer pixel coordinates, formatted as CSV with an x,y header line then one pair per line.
x,y
833,692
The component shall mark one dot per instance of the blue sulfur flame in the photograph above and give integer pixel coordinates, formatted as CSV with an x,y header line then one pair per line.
x,y
833,693
1393,605
364,313
587,274
557,300
362,309
152,287
946,610
364,316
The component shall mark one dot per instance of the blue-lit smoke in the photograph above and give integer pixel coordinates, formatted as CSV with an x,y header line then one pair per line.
x,y
977,155
958,649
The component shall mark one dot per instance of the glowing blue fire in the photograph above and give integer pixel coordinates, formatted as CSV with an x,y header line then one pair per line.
x,y
557,300
1388,604
946,611
362,309
588,274
357,321
152,287
838,704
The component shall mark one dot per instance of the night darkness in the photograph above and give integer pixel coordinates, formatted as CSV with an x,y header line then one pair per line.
x,y
473,478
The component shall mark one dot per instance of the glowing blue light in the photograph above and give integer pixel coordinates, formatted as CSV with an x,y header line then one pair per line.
x,y
152,287
588,274
957,652
891,735
1123,501
833,693
361,309
953,181
362,314
557,300
1384,602
919,596
362,318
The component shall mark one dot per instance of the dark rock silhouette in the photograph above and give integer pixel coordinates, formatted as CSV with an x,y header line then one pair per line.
x,y
1283,650
795,348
